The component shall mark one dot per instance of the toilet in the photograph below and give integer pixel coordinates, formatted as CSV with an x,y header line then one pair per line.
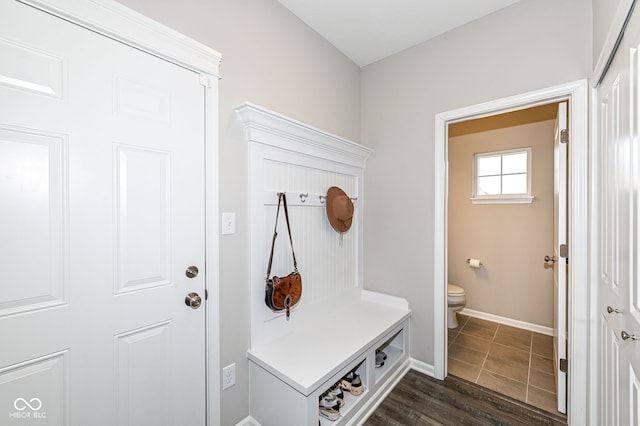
x,y
456,299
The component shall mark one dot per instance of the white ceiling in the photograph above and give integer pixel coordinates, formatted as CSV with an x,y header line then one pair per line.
x,y
369,30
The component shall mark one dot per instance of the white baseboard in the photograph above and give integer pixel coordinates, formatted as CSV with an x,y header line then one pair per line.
x,y
508,321
248,421
422,367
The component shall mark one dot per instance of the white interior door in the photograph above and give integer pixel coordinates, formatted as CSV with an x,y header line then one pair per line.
x,y
617,251
561,267
101,212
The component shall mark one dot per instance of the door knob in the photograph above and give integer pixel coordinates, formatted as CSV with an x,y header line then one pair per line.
x,y
193,300
627,336
612,310
550,259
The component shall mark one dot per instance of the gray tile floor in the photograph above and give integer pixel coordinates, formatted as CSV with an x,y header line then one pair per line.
x,y
515,362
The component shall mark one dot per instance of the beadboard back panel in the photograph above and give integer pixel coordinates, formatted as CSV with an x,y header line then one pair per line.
x,y
326,260
303,162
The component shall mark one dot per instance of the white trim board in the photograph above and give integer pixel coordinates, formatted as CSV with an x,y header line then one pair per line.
x,y
248,421
116,21
580,381
278,131
113,20
508,321
422,367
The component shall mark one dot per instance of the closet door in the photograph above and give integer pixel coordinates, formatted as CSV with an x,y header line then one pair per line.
x,y
617,223
101,214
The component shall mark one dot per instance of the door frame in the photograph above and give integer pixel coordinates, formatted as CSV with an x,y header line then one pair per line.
x,y
579,295
124,25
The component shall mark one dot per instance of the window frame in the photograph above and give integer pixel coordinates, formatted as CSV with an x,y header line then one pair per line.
x,y
524,198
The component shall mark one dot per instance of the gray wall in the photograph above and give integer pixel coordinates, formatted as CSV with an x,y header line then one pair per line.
x,y
511,240
528,46
272,59
603,13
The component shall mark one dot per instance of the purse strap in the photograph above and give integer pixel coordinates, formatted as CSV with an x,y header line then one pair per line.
x,y
282,198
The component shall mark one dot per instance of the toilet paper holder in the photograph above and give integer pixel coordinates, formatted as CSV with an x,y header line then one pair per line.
x,y
469,262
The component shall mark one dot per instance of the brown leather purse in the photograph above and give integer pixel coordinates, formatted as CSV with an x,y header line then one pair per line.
x,y
283,293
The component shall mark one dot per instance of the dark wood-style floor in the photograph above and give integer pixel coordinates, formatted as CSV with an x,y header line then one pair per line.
x,y
422,400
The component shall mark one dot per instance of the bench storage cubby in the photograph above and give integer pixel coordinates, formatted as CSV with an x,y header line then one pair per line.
x,y
290,374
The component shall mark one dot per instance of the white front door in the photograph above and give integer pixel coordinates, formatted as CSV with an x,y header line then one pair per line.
x,y
101,213
560,262
618,233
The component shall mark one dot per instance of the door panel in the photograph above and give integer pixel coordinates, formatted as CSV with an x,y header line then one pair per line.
x,y
613,123
102,202
617,145
143,181
634,396
32,184
48,375
30,69
609,354
134,350
560,265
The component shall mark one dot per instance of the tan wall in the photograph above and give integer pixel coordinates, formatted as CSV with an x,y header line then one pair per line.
x,y
271,58
528,46
511,240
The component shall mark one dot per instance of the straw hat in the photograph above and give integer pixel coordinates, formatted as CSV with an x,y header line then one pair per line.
x,y
339,209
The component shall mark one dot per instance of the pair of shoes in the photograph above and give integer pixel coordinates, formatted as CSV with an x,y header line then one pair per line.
x,y
329,406
352,383
380,357
336,391
331,402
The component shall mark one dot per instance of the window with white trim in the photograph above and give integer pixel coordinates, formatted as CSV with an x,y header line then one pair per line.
x,y
502,177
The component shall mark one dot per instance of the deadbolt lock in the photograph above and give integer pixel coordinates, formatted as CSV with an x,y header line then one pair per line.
x,y
191,272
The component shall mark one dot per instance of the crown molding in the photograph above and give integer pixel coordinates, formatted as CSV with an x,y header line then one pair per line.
x,y
270,128
116,21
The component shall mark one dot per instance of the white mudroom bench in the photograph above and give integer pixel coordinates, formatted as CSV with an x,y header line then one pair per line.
x,y
288,374
337,326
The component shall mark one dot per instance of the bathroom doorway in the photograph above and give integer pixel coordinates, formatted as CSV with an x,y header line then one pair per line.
x,y
579,377
500,227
